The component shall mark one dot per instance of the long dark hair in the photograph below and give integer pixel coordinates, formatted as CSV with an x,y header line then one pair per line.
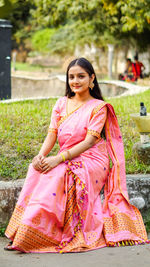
x,y
87,66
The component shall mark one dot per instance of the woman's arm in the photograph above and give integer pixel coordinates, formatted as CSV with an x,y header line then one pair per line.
x,y
96,125
48,144
51,162
75,151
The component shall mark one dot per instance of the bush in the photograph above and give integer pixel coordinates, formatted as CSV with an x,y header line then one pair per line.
x,y
41,39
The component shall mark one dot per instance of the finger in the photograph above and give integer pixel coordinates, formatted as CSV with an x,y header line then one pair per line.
x,y
40,161
47,170
40,165
43,166
42,158
37,165
36,168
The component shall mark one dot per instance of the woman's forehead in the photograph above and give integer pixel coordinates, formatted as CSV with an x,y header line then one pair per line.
x,y
76,69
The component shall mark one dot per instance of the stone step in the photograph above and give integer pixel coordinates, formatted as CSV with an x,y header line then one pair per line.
x,y
138,189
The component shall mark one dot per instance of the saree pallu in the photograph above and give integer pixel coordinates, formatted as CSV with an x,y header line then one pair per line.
x,y
61,211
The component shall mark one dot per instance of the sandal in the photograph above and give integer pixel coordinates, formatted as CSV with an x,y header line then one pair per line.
x,y
9,246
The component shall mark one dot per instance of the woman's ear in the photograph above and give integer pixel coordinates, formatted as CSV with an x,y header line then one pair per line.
x,y
92,77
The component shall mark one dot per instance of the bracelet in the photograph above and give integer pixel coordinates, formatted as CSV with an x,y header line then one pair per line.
x,y
63,157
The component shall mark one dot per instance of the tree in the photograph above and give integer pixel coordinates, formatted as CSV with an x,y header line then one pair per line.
x,y
135,15
40,39
6,7
134,20
75,22
18,12
98,21
121,22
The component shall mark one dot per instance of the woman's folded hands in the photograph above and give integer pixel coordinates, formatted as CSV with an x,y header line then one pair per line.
x,y
44,164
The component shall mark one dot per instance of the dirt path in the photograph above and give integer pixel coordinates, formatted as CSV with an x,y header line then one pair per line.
x,y
131,256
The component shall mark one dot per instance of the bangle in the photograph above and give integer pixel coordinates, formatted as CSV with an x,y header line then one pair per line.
x,y
69,155
63,157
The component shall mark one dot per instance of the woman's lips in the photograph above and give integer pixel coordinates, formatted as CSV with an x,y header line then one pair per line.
x,y
77,86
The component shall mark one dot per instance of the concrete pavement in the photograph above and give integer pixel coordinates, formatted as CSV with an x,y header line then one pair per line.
x,y
131,256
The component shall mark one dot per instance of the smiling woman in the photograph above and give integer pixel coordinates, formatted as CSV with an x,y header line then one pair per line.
x,y
80,82
59,208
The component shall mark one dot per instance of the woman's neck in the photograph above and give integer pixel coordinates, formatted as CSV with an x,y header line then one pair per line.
x,y
82,97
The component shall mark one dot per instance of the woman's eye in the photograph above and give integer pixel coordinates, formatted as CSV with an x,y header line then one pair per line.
x,y
72,77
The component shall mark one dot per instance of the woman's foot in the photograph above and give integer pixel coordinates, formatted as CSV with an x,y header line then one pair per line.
x,y
9,246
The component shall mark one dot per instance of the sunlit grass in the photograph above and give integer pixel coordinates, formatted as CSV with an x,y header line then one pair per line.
x,y
26,67
20,66
22,130
24,125
125,106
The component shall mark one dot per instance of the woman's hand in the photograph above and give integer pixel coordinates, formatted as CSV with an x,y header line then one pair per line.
x,y
37,162
50,163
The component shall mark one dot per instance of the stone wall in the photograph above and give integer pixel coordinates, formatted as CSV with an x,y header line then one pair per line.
x,y
9,193
138,188
24,87
27,87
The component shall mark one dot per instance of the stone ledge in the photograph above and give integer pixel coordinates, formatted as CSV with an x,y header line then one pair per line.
x,y
138,189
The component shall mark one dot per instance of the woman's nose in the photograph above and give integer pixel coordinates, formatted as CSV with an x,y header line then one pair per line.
x,y
75,79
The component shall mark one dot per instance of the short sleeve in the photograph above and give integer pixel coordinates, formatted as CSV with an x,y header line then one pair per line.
x,y
97,121
55,117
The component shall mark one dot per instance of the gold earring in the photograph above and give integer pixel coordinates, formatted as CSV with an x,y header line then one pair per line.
x,y
91,86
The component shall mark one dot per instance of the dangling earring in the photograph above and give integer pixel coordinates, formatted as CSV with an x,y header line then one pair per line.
x,y
91,86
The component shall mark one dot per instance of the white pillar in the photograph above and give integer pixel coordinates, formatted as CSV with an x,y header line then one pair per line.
x,y
110,59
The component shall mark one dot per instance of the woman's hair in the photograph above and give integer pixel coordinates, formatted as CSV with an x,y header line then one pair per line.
x,y
87,66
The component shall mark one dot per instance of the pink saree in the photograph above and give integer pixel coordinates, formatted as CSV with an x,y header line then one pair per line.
x,y
61,211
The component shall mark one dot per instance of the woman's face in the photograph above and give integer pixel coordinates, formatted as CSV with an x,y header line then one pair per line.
x,y
79,80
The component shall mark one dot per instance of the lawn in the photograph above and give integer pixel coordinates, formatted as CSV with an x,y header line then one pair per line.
x,y
27,67
24,125
32,68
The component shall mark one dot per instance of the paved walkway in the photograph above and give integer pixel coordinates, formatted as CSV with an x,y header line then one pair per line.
x,y
132,89
131,256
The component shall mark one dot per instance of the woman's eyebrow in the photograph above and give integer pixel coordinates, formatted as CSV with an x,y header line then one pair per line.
x,y
77,73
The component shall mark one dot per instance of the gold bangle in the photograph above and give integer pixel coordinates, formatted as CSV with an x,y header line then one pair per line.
x,y
69,155
63,157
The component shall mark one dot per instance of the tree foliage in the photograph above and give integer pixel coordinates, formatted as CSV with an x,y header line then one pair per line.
x,y
119,22
18,12
96,21
41,39
135,15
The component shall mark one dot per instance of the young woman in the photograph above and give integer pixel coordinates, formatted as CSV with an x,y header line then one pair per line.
x,y
59,208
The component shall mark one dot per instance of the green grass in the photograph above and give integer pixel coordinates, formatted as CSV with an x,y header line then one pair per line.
x,y
24,126
146,219
28,67
125,106
2,231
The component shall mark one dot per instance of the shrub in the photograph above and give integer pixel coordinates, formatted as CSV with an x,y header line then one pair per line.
x,y
41,39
